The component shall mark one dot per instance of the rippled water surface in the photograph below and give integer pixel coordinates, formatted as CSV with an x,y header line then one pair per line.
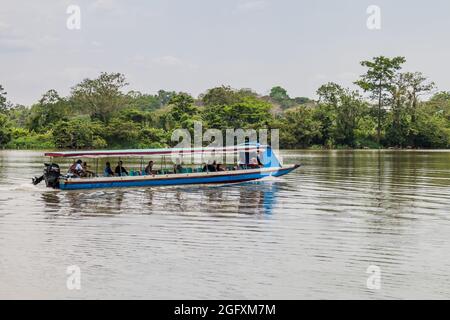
x,y
310,234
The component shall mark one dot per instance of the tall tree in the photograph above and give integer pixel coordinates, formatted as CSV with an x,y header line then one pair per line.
x,y
143,102
346,107
219,96
397,125
182,106
441,96
378,81
299,128
329,93
248,113
78,133
280,95
302,100
19,115
165,96
182,114
3,101
5,130
405,90
416,85
50,109
101,97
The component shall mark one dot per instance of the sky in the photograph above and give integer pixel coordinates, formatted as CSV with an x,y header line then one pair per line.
x,y
194,45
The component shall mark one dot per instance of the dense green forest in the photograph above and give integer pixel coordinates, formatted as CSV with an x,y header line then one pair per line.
x,y
392,108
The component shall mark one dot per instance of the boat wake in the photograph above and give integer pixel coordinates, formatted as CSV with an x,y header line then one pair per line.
x,y
269,178
24,187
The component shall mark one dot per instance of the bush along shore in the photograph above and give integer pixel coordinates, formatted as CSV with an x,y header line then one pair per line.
x,y
389,108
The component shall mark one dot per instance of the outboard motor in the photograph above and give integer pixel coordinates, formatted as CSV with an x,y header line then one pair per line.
x,y
51,176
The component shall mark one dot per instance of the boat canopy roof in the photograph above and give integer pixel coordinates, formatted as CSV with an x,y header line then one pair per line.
x,y
155,152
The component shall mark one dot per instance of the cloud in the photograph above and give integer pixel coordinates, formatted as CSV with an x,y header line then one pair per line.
x,y
321,77
348,76
10,41
96,43
174,62
76,73
169,61
13,41
104,5
251,6
14,45
4,27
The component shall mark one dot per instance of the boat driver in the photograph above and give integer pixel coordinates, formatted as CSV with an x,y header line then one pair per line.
x,y
120,170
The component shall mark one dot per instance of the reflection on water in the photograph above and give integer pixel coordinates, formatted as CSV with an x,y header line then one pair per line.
x,y
310,234
249,198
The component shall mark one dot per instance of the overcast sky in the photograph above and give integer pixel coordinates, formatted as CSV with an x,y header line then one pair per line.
x,y
197,44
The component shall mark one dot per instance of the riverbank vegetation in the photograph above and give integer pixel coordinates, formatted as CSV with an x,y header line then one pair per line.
x,y
391,108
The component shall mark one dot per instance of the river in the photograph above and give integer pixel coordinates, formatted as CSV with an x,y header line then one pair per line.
x,y
312,234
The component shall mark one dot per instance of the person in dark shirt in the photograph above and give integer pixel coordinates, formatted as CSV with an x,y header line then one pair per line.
x,y
149,168
120,170
108,171
177,168
212,167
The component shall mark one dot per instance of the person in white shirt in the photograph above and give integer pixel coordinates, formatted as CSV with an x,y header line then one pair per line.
x,y
77,169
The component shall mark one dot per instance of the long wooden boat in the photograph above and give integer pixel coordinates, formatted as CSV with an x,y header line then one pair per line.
x,y
268,165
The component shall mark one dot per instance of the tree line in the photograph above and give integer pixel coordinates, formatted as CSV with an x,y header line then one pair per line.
x,y
391,108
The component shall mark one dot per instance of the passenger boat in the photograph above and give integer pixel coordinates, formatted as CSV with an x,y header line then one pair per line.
x,y
268,164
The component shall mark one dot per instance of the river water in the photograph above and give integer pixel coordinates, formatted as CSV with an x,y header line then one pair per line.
x,y
311,234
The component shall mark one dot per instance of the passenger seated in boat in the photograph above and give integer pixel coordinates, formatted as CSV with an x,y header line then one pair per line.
x,y
241,165
258,158
149,169
177,168
212,167
77,169
220,168
120,170
87,173
108,171
72,167
253,163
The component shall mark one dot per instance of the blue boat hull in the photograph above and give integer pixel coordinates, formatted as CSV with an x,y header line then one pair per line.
x,y
170,180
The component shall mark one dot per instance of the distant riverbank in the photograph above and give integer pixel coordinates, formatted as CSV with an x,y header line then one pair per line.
x,y
303,149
